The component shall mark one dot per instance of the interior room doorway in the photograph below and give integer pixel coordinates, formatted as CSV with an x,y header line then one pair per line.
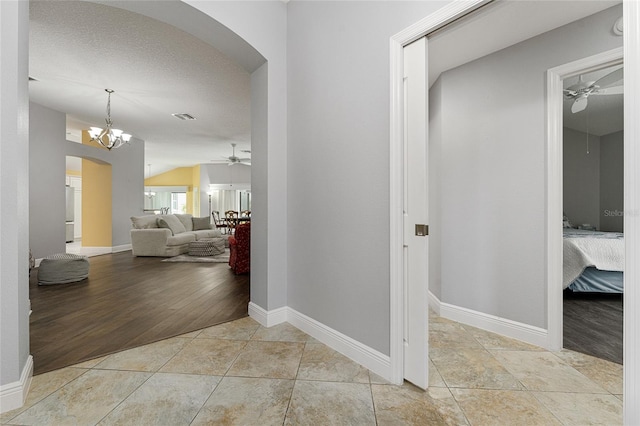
x,y
593,206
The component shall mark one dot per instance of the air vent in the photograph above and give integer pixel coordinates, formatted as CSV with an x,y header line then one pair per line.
x,y
184,116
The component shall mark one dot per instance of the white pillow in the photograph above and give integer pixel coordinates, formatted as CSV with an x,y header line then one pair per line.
x,y
171,222
144,222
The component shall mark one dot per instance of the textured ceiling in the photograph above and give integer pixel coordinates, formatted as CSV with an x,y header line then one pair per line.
x,y
78,49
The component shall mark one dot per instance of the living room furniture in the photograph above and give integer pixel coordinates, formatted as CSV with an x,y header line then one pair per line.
x,y
168,235
62,268
240,247
207,247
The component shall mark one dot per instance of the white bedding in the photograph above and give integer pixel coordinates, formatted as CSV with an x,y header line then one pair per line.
x,y
582,249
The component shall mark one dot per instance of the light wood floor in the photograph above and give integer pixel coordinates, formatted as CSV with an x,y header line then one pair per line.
x,y
127,302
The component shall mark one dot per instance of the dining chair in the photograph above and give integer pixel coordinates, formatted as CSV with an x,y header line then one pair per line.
x,y
219,223
232,220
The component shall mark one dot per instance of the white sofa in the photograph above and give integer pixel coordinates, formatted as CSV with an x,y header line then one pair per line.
x,y
168,235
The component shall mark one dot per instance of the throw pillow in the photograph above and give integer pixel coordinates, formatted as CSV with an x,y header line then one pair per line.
x,y
144,222
171,222
185,219
200,223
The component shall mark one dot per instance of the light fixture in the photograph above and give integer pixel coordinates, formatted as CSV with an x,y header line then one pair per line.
x,y
109,138
150,194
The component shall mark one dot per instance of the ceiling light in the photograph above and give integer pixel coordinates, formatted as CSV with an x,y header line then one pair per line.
x,y
109,138
184,116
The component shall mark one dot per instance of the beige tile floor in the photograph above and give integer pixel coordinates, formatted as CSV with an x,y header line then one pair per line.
x,y
240,373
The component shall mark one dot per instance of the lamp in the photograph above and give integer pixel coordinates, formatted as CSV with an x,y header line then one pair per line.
x,y
210,193
115,138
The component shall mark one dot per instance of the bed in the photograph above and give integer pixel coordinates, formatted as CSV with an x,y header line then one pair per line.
x,y
593,261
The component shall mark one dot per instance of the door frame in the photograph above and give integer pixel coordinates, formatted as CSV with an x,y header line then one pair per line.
x,y
631,22
438,19
555,182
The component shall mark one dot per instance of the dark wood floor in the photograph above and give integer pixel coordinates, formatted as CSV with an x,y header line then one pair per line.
x,y
592,324
127,302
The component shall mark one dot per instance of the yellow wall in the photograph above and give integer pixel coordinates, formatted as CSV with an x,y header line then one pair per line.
x,y
181,176
96,201
73,172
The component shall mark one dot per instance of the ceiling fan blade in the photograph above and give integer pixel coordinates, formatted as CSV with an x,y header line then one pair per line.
x,y
569,94
611,78
579,105
613,90
245,163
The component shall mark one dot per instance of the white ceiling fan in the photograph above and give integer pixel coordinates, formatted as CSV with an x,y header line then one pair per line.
x,y
581,91
232,159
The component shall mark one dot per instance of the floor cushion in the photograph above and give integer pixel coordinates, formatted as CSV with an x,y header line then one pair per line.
x,y
63,268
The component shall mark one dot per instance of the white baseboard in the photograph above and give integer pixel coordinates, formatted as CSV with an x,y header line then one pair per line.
x,y
13,395
121,248
505,327
267,318
434,303
356,351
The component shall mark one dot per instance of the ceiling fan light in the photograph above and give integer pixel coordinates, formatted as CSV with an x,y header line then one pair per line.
x,y
94,132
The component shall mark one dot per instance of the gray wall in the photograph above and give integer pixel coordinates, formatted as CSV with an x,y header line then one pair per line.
x,y
581,178
612,182
493,170
259,188
47,131
338,162
48,149
593,183
14,194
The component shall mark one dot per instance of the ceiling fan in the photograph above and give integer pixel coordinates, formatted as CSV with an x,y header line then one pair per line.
x,y
232,159
580,91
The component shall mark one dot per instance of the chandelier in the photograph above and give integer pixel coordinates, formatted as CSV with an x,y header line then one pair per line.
x,y
109,138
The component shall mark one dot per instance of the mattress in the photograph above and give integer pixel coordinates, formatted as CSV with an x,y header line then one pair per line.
x,y
593,280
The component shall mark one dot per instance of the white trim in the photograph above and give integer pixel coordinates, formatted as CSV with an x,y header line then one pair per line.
x,y
436,20
267,318
370,358
354,350
13,395
121,248
631,13
554,183
505,327
434,303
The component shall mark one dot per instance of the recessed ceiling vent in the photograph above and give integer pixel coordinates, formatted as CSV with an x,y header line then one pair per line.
x,y
184,116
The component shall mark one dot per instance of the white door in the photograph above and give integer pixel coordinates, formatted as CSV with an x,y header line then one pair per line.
x,y
416,240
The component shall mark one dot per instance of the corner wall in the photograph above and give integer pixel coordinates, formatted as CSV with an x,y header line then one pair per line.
x,y
338,162
48,149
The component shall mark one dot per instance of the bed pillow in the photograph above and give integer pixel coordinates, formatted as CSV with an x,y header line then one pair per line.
x,y
200,223
171,222
565,222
